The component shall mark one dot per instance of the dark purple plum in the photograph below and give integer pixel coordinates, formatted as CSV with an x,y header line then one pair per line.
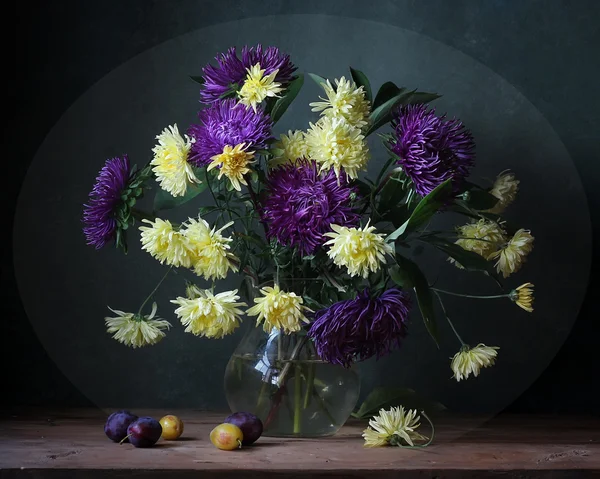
x,y
144,432
117,424
251,426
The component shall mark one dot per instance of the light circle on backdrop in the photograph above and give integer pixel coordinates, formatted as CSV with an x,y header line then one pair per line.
x,y
66,285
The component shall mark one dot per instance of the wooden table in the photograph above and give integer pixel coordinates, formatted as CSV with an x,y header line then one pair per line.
x,y
72,444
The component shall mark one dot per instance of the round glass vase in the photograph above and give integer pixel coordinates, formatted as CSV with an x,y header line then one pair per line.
x,y
281,379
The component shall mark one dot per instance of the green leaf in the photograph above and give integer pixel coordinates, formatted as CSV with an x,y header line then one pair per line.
x,y
468,259
318,79
386,92
401,277
361,80
420,97
410,273
197,79
392,192
426,208
163,200
285,101
385,398
477,198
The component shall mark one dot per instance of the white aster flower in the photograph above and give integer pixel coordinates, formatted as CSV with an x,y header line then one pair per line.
x,y
470,360
170,165
395,427
279,309
135,330
345,101
288,148
165,244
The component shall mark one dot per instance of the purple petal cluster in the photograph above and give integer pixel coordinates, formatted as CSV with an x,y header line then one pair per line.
x,y
431,149
359,328
231,70
227,122
301,205
99,219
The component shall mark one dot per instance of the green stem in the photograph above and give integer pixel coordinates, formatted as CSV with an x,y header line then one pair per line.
x,y
419,446
212,193
297,398
448,319
310,383
142,215
470,295
324,406
154,291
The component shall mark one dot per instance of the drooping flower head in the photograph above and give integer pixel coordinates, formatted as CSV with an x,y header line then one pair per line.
x,y
206,314
231,71
505,189
514,253
227,123
357,329
170,162
360,250
258,86
209,249
345,101
483,237
100,213
523,297
395,427
165,243
470,360
135,330
279,309
288,148
335,144
302,203
234,164
430,149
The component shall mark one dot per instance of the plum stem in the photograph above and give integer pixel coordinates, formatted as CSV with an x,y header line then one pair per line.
x,y
239,444
124,439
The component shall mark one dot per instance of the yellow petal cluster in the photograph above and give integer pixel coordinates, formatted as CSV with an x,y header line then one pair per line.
x,y
505,189
278,309
233,163
206,314
346,101
470,360
136,331
360,250
482,237
334,143
288,148
165,244
258,86
514,253
523,296
170,165
394,427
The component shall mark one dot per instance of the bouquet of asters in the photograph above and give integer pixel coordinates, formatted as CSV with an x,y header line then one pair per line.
x,y
321,247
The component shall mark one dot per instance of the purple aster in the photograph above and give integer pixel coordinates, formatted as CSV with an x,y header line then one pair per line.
x,y
99,219
231,71
227,123
302,204
431,149
359,328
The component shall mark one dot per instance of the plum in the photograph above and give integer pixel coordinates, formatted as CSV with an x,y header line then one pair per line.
x,y
144,432
117,424
251,426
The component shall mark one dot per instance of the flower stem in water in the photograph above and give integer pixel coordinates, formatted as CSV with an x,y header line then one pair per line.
x,y
297,397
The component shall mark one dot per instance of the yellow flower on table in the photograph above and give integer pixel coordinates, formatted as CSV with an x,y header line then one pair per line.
x,y
279,309
233,163
360,250
394,427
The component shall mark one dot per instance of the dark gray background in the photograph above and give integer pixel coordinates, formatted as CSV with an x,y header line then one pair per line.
x,y
555,86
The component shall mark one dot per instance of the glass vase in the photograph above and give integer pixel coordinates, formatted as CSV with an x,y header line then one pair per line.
x,y
281,379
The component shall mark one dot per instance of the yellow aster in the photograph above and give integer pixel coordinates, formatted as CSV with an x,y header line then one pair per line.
x,y
258,86
523,296
134,330
210,255
209,315
333,143
164,243
170,165
233,163
512,256
345,101
482,237
395,427
361,250
278,309
290,147
470,360
505,189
